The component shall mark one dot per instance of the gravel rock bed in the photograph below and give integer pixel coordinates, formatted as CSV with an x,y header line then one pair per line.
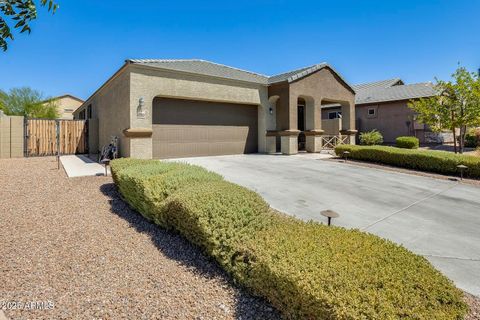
x,y
76,244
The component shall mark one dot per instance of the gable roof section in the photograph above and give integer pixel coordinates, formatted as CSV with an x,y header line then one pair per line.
x,y
197,66
64,96
204,68
378,84
395,93
303,72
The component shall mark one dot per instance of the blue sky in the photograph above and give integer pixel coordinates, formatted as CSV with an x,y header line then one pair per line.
x,y
86,41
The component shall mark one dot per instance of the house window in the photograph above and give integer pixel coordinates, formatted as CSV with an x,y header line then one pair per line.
x,y
89,111
372,112
334,115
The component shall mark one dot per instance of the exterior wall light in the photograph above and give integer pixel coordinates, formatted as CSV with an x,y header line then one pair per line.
x,y
141,112
270,110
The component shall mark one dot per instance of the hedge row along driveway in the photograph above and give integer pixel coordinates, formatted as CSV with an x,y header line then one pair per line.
x,y
306,270
438,219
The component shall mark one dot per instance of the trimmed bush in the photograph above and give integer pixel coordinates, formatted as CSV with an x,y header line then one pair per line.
x,y
306,270
424,160
371,138
219,217
407,142
312,271
146,185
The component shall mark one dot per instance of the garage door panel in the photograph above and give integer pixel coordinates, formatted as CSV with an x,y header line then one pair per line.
x,y
193,128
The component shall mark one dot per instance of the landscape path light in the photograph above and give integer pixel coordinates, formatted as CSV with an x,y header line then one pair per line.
x,y
462,169
330,214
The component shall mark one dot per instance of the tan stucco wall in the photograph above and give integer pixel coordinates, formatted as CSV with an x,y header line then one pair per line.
x,y
322,86
67,103
110,105
331,127
390,120
11,136
148,83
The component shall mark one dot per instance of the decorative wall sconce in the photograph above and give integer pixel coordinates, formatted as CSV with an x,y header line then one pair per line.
x,y
141,112
270,110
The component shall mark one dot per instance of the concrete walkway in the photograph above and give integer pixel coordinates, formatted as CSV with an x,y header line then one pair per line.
x,y
438,219
81,166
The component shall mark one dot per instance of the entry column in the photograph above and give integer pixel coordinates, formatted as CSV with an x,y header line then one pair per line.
x,y
314,132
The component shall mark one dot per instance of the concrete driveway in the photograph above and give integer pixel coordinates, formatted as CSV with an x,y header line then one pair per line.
x,y
438,219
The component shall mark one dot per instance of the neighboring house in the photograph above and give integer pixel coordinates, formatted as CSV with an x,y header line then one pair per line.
x,y
183,108
66,105
383,105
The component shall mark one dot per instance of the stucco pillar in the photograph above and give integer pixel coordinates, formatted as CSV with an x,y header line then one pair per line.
x,y
313,135
348,115
313,140
289,141
271,142
139,134
348,121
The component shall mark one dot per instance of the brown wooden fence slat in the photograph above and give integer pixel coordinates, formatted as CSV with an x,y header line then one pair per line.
x,y
42,137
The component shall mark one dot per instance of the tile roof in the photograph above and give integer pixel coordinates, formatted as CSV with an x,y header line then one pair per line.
x,y
295,74
394,93
205,68
222,71
378,84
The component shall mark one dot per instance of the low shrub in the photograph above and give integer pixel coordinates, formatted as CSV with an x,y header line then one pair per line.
x,y
424,160
146,185
407,142
371,138
472,138
306,270
312,271
219,217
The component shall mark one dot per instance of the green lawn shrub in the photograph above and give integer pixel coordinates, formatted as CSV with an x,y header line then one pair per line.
x,y
407,142
424,160
371,138
306,270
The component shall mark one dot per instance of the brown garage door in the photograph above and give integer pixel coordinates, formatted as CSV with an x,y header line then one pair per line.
x,y
186,128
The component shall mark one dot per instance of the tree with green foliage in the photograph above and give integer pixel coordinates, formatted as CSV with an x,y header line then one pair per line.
x,y
27,102
17,14
456,107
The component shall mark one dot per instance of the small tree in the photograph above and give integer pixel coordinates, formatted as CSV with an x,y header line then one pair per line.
x,y
19,13
27,102
457,106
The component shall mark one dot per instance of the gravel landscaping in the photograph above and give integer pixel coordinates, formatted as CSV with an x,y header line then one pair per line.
x,y
76,244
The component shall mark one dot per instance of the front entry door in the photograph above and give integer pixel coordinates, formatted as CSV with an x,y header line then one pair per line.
x,y
301,127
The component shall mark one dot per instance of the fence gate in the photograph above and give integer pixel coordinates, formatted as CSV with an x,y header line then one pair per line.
x,y
46,137
330,142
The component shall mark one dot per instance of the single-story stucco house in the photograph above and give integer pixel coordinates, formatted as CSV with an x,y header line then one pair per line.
x,y
383,106
183,108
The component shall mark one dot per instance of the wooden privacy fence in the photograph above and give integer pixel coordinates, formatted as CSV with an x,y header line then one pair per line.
x,y
47,137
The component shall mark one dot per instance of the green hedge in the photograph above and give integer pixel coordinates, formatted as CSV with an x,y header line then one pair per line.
x,y
407,142
432,161
306,270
